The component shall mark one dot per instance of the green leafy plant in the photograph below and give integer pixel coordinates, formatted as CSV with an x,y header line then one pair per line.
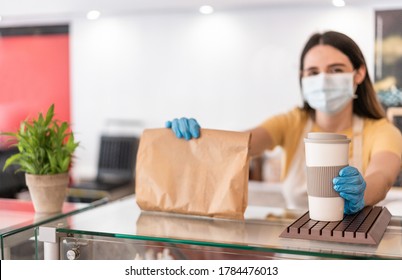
x,y
45,145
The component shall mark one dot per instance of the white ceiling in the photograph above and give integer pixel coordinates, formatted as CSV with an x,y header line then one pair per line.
x,y
25,10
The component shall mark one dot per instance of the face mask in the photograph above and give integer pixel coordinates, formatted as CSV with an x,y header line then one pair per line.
x,y
328,93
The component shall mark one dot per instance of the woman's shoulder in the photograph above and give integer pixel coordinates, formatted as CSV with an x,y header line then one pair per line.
x,y
382,135
376,123
382,125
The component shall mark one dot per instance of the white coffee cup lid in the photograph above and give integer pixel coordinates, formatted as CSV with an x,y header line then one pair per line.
x,y
326,137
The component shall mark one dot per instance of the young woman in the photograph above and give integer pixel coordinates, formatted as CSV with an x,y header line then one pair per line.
x,y
338,97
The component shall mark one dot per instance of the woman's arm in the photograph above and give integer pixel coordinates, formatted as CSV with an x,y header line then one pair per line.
x,y
260,141
381,173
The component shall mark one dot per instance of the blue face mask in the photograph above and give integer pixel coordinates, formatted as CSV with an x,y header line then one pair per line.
x,y
328,93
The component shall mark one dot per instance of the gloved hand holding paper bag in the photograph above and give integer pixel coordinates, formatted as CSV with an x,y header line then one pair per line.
x,y
207,176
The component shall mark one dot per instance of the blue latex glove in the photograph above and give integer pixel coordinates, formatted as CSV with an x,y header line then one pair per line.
x,y
184,128
350,185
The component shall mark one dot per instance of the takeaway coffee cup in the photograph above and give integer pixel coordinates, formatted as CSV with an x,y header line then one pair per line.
x,y
326,154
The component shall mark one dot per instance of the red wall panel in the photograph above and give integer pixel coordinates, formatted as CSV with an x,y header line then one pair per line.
x,y
34,73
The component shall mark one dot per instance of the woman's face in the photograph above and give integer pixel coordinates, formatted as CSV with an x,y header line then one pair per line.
x,y
325,59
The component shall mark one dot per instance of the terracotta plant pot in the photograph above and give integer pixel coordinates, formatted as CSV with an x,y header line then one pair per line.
x,y
48,192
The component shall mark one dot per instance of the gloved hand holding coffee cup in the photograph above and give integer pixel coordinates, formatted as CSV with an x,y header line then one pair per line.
x,y
350,185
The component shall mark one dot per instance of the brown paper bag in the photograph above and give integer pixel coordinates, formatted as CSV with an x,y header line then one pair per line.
x,y
207,176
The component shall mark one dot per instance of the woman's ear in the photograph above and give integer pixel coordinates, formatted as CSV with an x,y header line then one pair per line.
x,y
360,75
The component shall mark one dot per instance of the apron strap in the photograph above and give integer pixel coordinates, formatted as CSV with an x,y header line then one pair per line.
x,y
357,155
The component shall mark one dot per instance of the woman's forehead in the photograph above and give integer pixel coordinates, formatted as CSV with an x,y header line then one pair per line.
x,y
321,56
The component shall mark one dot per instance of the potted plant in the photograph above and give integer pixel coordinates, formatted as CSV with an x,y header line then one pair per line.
x,y
45,150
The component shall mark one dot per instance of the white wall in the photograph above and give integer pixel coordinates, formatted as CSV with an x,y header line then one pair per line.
x,y
228,70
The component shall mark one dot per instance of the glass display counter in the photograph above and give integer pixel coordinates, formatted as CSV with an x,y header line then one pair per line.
x,y
120,230
19,222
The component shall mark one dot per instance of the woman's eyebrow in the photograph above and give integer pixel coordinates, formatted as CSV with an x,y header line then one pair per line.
x,y
310,68
328,66
337,65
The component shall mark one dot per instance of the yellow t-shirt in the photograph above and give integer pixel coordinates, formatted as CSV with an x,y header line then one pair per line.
x,y
286,130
